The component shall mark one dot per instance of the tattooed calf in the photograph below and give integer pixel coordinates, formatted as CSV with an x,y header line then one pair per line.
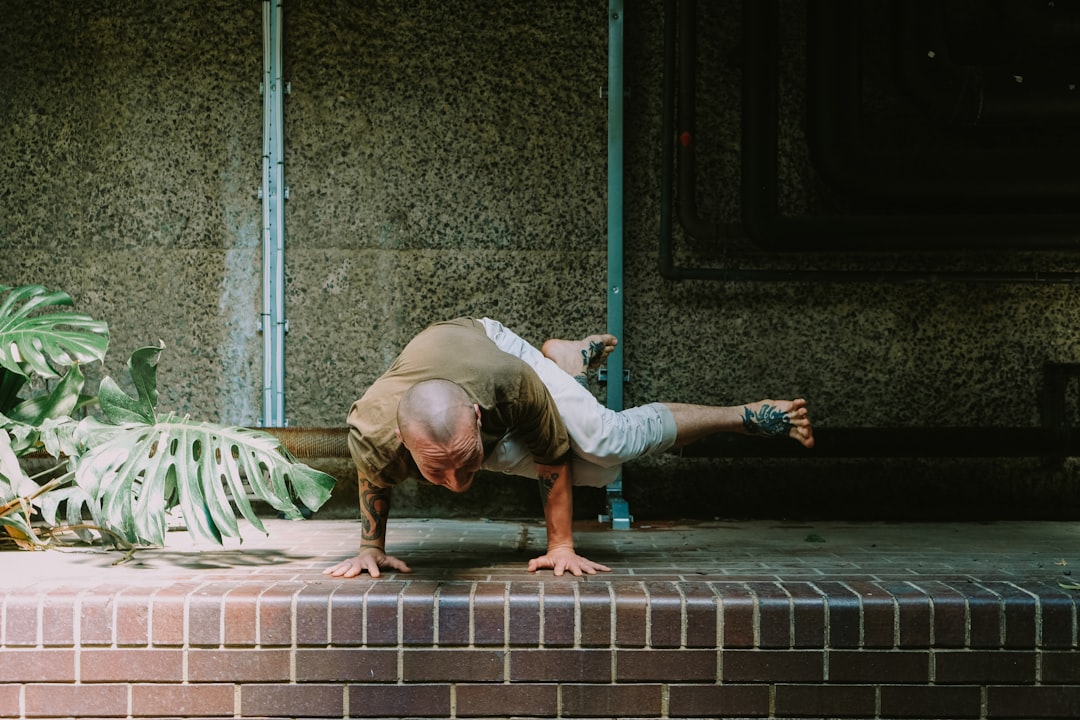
x,y
769,421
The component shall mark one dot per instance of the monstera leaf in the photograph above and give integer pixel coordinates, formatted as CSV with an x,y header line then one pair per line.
x,y
60,401
141,471
14,486
36,337
142,466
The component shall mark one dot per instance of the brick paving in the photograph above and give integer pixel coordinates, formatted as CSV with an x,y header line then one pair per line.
x,y
499,550
714,619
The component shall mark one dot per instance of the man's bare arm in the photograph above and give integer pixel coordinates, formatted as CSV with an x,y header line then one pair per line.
x,y
374,512
557,494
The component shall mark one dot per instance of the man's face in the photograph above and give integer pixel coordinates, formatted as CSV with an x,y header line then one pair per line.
x,y
453,465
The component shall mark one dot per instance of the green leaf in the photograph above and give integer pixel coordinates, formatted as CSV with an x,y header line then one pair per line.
x,y
10,385
137,472
17,521
14,484
118,406
45,342
73,499
23,438
61,401
14,481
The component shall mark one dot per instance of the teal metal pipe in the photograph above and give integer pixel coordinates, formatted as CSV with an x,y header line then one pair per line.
x,y
615,201
618,511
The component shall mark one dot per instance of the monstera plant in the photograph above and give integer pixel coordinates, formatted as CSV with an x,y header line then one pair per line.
x,y
119,468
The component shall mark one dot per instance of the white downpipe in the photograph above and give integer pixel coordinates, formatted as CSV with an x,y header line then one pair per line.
x,y
274,193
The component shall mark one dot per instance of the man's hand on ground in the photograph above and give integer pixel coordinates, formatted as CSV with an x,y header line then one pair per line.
x,y
563,560
369,559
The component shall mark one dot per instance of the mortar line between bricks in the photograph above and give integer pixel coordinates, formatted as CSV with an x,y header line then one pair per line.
x,y
540,612
472,615
612,617
755,615
577,616
862,613
506,618
436,640
967,618
222,614
933,623
364,617
292,663
895,616
683,619
791,612
648,614
257,645
614,663
718,611
827,630
1001,611
293,621
400,620
1038,623
114,610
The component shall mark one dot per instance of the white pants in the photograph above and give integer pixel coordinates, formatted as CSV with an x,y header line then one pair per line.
x,y
601,439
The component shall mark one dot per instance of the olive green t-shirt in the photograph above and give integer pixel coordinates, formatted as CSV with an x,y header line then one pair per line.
x,y
509,392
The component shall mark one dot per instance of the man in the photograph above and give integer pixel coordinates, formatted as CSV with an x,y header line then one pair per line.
x,y
467,394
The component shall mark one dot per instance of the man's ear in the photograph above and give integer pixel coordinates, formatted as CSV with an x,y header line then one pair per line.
x,y
476,409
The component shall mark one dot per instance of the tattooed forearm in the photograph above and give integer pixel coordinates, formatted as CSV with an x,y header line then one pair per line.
x,y
547,484
374,510
769,421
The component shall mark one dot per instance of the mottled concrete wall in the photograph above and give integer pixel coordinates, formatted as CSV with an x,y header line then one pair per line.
x,y
449,158
130,171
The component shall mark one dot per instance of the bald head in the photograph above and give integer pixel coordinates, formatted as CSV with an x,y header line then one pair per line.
x,y
440,426
436,411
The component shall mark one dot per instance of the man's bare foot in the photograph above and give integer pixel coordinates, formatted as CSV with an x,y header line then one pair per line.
x,y
779,418
575,357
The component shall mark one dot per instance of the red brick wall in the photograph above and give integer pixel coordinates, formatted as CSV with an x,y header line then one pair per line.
x,y
545,648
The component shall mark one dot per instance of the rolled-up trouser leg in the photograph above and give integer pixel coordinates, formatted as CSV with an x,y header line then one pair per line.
x,y
599,436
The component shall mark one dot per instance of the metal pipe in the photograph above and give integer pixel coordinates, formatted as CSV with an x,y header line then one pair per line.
x,y
615,201
273,323
618,510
